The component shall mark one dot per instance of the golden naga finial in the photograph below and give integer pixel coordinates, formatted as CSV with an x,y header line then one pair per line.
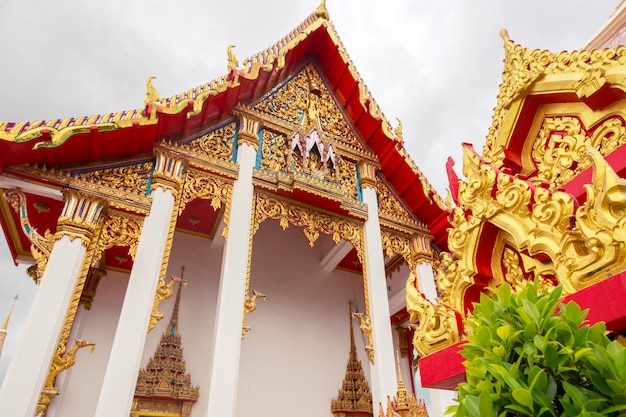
x,y
151,94
232,59
398,129
321,11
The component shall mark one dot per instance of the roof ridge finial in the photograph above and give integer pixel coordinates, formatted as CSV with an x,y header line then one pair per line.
x,y
173,327
6,321
322,12
233,63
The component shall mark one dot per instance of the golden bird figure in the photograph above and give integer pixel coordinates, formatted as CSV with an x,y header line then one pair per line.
x,y
232,59
152,96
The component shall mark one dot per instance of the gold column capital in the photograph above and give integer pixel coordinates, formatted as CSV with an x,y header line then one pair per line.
x,y
168,171
421,250
249,127
80,216
367,170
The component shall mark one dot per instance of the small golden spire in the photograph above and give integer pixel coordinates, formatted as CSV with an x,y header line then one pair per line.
x,y
402,396
232,59
6,321
321,11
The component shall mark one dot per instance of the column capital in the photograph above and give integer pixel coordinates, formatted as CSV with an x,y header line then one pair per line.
x,y
80,216
168,171
249,127
367,170
421,250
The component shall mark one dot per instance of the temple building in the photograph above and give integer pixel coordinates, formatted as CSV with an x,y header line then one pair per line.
x,y
284,193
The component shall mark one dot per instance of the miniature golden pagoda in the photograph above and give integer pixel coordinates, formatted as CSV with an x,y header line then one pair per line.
x,y
354,398
164,386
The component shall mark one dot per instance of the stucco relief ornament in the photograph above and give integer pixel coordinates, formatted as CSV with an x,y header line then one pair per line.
x,y
41,245
249,305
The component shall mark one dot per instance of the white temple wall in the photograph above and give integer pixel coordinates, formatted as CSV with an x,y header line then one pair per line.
x,y
82,382
293,360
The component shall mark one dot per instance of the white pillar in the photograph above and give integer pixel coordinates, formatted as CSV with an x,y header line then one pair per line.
x,y
120,378
383,373
31,361
227,336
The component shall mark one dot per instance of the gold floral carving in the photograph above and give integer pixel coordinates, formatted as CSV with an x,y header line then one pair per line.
x,y
523,67
41,246
313,223
560,149
61,361
437,326
217,144
118,230
291,101
273,151
128,179
163,292
249,305
200,185
122,187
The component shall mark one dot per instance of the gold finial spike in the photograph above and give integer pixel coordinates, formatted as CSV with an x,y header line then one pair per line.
x,y
321,11
232,59
6,321
398,130
152,96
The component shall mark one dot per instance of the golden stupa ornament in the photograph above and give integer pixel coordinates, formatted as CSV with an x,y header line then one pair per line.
x,y
354,398
164,386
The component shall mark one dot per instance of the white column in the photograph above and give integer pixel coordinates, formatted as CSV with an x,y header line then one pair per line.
x,y
31,361
227,336
383,373
120,378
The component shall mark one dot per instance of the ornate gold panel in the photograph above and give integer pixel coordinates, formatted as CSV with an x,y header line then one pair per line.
x,y
291,101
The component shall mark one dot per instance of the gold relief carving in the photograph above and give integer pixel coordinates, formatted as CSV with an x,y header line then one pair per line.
x,y
395,244
523,66
60,362
596,247
390,209
592,80
118,230
560,149
273,151
200,185
91,285
215,145
168,171
437,325
41,246
123,188
130,179
291,103
347,178
315,222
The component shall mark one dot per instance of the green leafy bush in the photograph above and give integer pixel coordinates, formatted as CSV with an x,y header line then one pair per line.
x,y
523,359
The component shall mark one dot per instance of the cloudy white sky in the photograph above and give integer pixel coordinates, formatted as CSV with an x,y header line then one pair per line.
x,y
436,65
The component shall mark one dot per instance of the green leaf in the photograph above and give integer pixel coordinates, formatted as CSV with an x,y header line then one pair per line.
x,y
551,357
485,404
523,396
504,332
576,394
471,404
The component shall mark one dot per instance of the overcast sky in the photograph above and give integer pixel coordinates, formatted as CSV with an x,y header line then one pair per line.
x,y
436,65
